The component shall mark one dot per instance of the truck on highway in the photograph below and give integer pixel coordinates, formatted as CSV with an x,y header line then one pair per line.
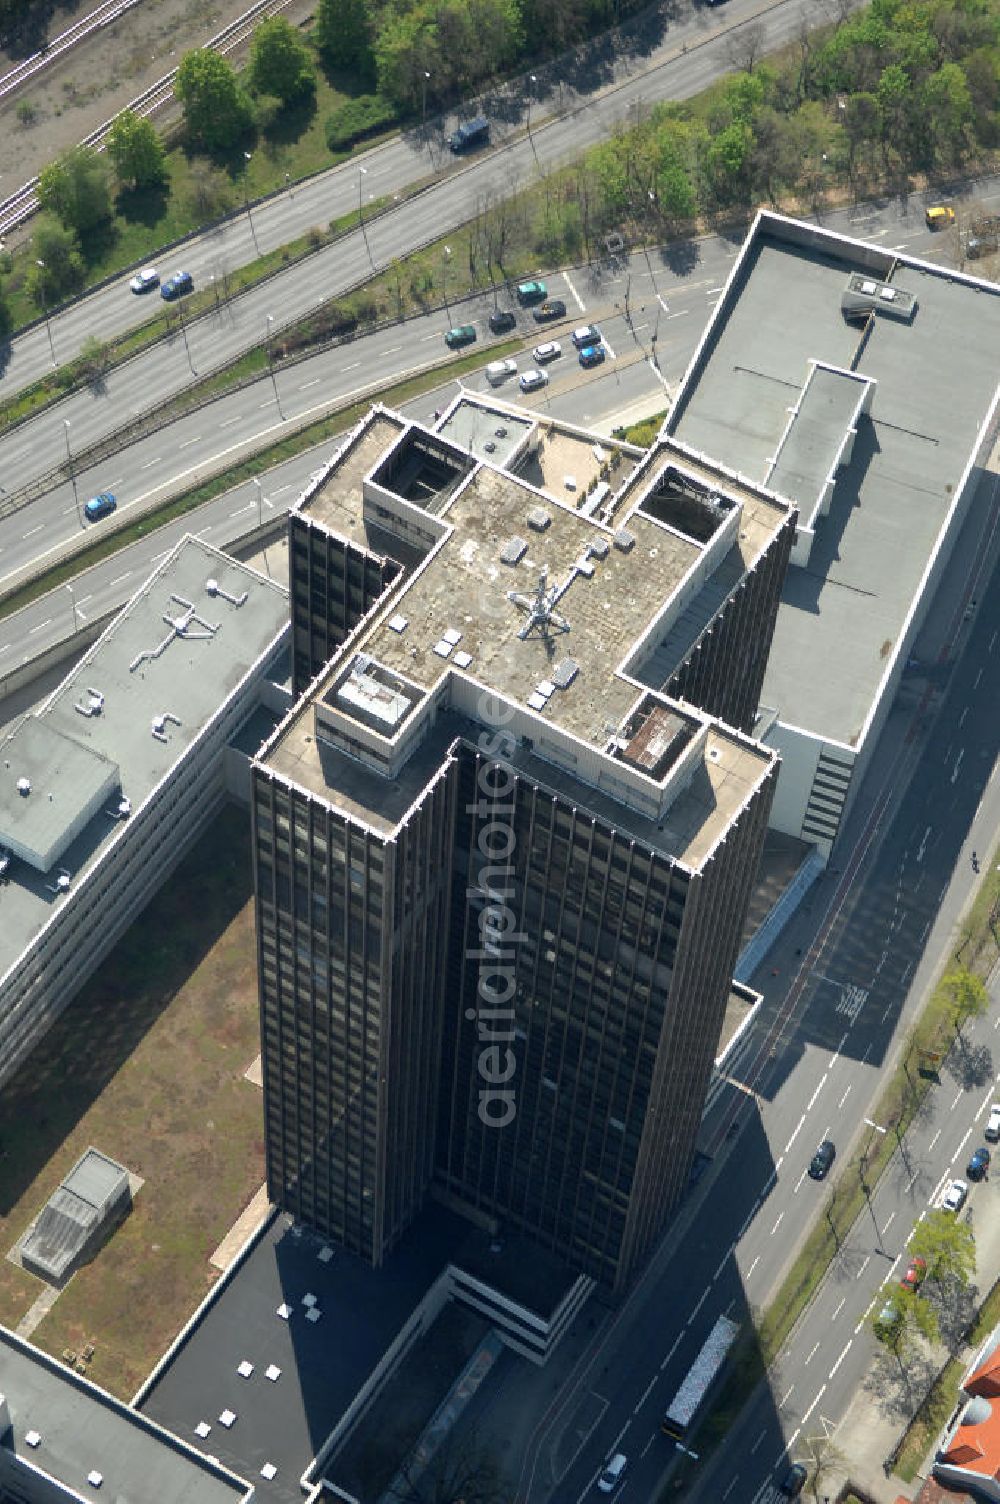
x,y
685,1407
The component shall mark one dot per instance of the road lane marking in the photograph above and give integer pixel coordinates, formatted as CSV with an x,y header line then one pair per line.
x,y
230,421
812,1353
840,1360
757,1443
723,1262
752,1267
798,1127
795,1188
839,1309
843,1099
41,625
646,1393
784,1397
150,463
933,1141
958,1098
816,1093
975,683
670,1354
963,1143
777,1224
730,1486
307,384
958,764
188,442
812,1407
608,348
888,1224
704,1297
863,1319
32,531
864,1266
574,294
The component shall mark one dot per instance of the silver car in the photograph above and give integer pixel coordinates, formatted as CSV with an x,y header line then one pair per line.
x,y
954,1197
532,380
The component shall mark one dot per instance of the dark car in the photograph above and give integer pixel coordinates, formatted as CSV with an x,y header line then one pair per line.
x,y
592,355
469,134
552,308
821,1161
978,1164
99,506
502,320
794,1480
177,286
465,334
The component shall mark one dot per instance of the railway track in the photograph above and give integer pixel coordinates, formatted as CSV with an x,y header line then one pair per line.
x,y
105,13
21,204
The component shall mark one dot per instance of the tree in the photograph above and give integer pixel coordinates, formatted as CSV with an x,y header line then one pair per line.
x,y
75,188
62,270
902,1319
280,63
343,35
136,150
6,317
948,1247
949,108
965,997
216,110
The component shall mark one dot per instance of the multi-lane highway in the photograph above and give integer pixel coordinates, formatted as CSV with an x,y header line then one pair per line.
x,y
690,53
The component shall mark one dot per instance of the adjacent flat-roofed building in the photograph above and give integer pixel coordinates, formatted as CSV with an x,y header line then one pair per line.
x,y
62,1437
105,787
500,874
861,384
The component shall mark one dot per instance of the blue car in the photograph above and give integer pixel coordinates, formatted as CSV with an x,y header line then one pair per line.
x,y
978,1164
99,506
592,355
177,286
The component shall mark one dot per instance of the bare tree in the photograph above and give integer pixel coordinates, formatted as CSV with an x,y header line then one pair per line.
x,y
745,45
461,1471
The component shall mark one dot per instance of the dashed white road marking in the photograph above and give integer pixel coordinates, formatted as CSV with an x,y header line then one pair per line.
x,y
847,1348
812,1407
574,294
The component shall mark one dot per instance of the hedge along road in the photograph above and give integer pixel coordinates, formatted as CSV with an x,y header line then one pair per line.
x,y
691,55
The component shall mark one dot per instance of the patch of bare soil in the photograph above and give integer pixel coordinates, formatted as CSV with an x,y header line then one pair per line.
x,y
75,95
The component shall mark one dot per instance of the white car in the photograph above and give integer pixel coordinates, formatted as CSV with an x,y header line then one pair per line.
x,y
145,280
954,1197
586,336
532,380
498,371
551,350
992,1130
612,1473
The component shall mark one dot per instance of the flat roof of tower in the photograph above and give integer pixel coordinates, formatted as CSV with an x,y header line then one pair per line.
x,y
82,1429
140,669
619,563
935,376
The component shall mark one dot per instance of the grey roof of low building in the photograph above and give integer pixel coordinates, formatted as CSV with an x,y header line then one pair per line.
x,y
190,675
84,1429
936,377
61,779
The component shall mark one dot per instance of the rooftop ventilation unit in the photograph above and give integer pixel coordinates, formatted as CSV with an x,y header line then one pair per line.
x,y
24,787
214,588
539,519
624,540
159,725
565,672
513,551
598,548
398,624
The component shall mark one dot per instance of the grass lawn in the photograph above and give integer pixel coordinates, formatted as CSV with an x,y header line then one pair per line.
x,y
147,1065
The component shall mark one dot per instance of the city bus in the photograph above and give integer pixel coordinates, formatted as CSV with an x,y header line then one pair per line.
x,y
704,1371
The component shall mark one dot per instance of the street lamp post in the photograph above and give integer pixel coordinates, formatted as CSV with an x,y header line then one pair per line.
x,y
187,347
423,104
270,365
247,157
362,174
72,472
532,80
76,609
45,313
876,1128
262,502
445,260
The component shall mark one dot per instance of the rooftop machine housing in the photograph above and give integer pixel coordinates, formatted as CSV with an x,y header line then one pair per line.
x,y
77,1217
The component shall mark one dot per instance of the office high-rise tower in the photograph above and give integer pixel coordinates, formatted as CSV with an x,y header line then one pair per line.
x,y
501,876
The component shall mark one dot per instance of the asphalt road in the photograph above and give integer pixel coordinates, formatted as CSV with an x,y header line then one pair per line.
x,y
669,294
860,962
684,55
